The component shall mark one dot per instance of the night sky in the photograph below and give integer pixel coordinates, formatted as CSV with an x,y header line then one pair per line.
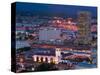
x,y
54,10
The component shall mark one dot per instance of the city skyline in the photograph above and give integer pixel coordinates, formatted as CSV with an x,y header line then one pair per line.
x,y
54,37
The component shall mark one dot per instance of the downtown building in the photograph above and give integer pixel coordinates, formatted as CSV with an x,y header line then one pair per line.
x,y
49,34
58,35
84,28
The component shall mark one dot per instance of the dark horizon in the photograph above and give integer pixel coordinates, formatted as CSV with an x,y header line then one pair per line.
x,y
53,9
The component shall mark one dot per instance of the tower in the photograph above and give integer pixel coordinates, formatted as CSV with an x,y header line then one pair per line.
x,y
84,33
58,55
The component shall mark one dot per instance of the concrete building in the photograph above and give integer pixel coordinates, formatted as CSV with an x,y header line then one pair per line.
x,y
49,34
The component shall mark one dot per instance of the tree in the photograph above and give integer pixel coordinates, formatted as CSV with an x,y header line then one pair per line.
x,y
23,49
46,67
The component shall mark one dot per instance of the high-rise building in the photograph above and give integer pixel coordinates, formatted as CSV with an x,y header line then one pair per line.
x,y
84,29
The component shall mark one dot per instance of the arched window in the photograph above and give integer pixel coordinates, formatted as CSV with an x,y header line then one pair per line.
x,y
46,59
37,59
41,59
51,60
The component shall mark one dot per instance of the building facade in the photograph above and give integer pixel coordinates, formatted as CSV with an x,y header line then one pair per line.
x,y
49,34
49,56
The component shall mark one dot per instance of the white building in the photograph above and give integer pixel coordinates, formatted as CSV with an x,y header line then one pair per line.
x,y
49,56
49,34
